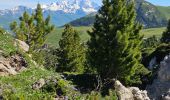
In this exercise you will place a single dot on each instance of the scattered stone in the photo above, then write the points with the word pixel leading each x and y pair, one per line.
pixel 4 71
pixel 22 45
pixel 166 96
pixel 139 94
pixel 12 65
pixel 131 93
pixel 40 83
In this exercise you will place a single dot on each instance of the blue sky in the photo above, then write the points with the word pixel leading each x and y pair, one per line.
pixel 160 2
pixel 6 4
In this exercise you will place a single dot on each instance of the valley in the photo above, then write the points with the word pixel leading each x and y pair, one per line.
pixel 54 37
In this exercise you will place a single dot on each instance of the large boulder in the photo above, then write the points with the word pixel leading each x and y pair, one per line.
pixel 22 45
pixel 131 93
pixel 123 92
pixel 12 65
pixel 159 89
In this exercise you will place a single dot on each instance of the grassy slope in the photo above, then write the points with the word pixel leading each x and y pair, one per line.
pixel 153 31
pixel 21 83
pixel 6 44
pixel 55 36
pixel 165 11
pixel 19 86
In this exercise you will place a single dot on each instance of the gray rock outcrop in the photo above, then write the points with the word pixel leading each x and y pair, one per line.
pixel 12 65
pixel 131 93
pixel 22 45
pixel 160 88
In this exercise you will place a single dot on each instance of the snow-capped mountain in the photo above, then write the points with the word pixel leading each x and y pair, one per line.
pixel 61 11
pixel 72 6
pixel 15 10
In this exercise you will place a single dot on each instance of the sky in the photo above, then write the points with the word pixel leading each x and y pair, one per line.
pixel 7 4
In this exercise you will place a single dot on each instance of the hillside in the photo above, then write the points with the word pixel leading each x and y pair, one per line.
pixel 20 85
pixel 165 11
pixel 55 36
pixel 36 82
pixel 147 14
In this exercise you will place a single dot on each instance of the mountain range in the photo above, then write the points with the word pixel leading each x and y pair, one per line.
pixel 61 11
pixel 82 12
pixel 147 14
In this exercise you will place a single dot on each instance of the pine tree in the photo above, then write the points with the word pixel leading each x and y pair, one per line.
pixel 115 43
pixel 71 52
pixel 166 35
pixel 32 29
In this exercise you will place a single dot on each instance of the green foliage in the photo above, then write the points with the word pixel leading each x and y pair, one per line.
pixel 7 43
pixel 32 29
pixel 51 58
pixel 39 57
pixel 166 35
pixel 97 96
pixel 71 52
pixel 115 43
pixel 151 42
pixel 46 57
pixel 58 86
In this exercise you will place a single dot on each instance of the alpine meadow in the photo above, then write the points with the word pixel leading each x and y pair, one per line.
pixel 85 50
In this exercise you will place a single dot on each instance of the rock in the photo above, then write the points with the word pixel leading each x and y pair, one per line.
pixel 4 71
pixel 40 83
pixel 22 45
pixel 166 96
pixel 164 71
pixel 12 65
pixel 131 93
pixel 123 92
pixel 161 85
pixel 139 94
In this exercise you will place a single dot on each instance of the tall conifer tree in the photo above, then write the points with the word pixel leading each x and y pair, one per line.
pixel 72 53
pixel 115 43
pixel 32 29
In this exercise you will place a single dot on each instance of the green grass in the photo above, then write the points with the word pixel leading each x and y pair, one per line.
pixel 55 36
pixel 21 84
pixel 153 31
pixel 19 87
pixel 7 44
pixel 165 11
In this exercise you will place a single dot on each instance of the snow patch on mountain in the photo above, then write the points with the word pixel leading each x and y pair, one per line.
pixel 72 6
pixel 65 6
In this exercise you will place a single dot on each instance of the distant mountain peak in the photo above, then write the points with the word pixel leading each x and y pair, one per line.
pixel 72 6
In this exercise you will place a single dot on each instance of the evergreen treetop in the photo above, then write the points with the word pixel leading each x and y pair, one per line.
pixel 32 29
pixel 115 43
pixel 72 52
